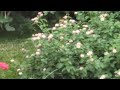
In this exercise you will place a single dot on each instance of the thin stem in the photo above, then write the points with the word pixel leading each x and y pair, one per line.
pixel 50 73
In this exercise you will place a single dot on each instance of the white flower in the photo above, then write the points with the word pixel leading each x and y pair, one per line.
pixel 102 19
pixel 74 32
pixel 23 49
pixel 78 45
pixel 64 26
pixel 117 72
pixel 37 53
pixel 81 68
pixel 35 19
pixel 88 32
pixel 114 50
pixel 103 16
pixel 89 53
pixel 77 31
pixel 20 73
pixel 56 25
pixel 39 13
pixel 39 34
pixel 91 31
pixel 18 70
pixel 54 28
pixel 102 77
pixel 12 60
pixel 65 17
pixel 61 38
pixel 33 38
pixel 75 12
pixel 72 21
pixel 85 26
pixel 37 38
pixel 27 56
pixel 65 22
pixel 43 36
pixel 44 69
pixel 106 53
pixel 82 55
pixel 61 25
pixel 36 34
pixel 50 36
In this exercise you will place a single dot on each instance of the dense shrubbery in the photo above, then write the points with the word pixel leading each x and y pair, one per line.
pixel 80 45
pixel 87 47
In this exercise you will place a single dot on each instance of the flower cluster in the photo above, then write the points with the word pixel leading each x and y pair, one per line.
pixel 76 31
pixel 89 32
pixel 35 19
pixel 38 36
pixel 62 23
pixel 78 45
pixel 103 17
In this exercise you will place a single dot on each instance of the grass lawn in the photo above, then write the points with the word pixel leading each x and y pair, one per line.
pixel 11 48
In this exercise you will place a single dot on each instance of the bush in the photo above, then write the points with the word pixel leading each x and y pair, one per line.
pixel 84 49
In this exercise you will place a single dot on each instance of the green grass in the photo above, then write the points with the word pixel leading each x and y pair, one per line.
pixel 10 48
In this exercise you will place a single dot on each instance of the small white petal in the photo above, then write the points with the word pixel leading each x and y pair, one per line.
pixel 106 53
pixel 81 68
pixel 20 73
pixel 82 55
pixel 18 70
pixel 12 60
pixel 114 51
pixel 102 77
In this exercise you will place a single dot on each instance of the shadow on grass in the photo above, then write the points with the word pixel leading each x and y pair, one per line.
pixel 13 36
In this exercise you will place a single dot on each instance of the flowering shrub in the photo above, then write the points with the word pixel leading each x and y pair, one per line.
pixel 76 49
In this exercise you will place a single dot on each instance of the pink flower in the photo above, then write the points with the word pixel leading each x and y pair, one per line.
pixel 4 66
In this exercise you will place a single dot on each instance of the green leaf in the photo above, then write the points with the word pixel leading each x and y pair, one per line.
pixel 5 20
pixel 9 28
pixel 59 65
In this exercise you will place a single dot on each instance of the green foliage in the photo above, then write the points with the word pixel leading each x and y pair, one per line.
pixel 5 21
pixel 22 25
pixel 86 48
